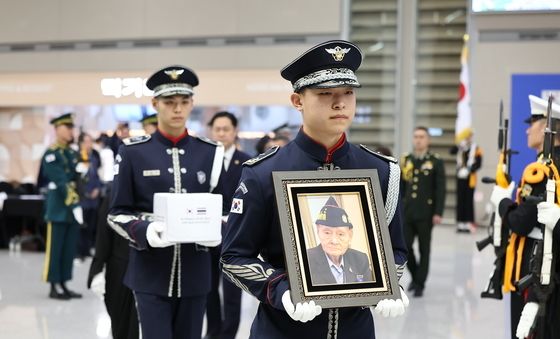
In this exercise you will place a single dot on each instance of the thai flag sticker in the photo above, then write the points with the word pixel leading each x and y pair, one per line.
pixel 237 206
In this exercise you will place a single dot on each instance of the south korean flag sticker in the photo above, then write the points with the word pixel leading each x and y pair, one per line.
pixel 237 206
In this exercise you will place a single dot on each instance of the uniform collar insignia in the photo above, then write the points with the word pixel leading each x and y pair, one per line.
pixel 174 73
pixel 337 53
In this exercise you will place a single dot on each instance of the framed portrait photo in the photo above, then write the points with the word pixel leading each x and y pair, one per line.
pixel 335 236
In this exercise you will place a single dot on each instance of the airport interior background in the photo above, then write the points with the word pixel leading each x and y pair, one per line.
pixel 93 58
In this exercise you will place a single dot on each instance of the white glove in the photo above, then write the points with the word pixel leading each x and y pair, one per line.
pixel 78 214
pixel 527 319
pixel 98 284
pixel 153 235
pixel 463 173
pixel 392 307
pixel 82 168
pixel 301 312
pixel 548 214
pixel 499 193
pixel 209 243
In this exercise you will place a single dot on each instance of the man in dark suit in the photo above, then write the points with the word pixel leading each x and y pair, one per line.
pixel 333 261
pixel 223 128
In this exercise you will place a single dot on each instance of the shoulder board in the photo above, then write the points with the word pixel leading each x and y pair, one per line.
pixel 270 152
pixel 436 155
pixel 136 140
pixel 379 155
pixel 53 147
pixel 206 140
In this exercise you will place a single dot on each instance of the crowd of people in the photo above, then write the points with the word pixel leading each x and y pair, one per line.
pixel 100 203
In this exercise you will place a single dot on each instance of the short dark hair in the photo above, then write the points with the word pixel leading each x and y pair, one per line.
pixel 223 114
pixel 422 128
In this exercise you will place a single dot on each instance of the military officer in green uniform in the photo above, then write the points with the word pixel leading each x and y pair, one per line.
pixel 423 181
pixel 63 213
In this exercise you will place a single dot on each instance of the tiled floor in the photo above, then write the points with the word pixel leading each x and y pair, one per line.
pixel 451 306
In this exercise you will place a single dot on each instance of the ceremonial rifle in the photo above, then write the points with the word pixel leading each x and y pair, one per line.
pixel 498 235
pixel 539 278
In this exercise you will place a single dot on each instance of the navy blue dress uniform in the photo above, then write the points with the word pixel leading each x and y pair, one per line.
pixel 170 284
pixel 59 168
pixel 216 327
pixel 253 228
pixel 424 196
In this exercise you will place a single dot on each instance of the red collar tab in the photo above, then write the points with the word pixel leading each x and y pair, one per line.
pixel 173 139
pixel 336 146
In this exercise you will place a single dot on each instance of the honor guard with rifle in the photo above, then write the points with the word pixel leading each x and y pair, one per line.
pixel 499 235
pixel 324 87
pixel 540 313
pixel 519 218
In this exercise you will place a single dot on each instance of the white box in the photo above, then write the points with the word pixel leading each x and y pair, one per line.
pixel 189 217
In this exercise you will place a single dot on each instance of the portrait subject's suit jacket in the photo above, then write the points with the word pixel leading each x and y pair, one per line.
pixel 356 267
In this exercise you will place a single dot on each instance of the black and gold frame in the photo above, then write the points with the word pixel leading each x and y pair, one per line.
pixel 301 197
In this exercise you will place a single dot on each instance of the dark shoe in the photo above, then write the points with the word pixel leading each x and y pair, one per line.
pixel 211 336
pixel 71 294
pixel 57 295
pixel 412 286
pixel 418 292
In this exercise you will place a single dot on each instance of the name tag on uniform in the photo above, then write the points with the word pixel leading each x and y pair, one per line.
pixel 150 173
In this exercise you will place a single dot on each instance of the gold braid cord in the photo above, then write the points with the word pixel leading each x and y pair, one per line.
pixel 538 172
pixel 72 196
pixel 534 173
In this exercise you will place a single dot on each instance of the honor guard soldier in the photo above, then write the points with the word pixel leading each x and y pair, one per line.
pixel 423 177
pixel 324 82
pixel 63 213
pixel 149 123
pixel 170 281
pixel 523 218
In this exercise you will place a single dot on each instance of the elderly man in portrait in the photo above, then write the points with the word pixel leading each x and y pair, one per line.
pixel 333 261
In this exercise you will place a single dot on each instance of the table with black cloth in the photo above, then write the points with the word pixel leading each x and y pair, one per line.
pixel 21 220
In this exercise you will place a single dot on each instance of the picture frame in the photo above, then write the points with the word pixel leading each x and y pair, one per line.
pixel 334 225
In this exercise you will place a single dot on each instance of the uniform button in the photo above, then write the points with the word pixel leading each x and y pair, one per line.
pixel 414 187
pixel 415 179
pixel 171 190
pixel 426 172
pixel 183 170
pixel 416 171
pixel 168 151
pixel 170 170
pixel 414 195
pixel 181 151
pixel 183 190
pixel 429 201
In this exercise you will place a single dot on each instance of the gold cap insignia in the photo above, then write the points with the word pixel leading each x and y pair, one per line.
pixel 322 214
pixel 174 73
pixel 337 53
